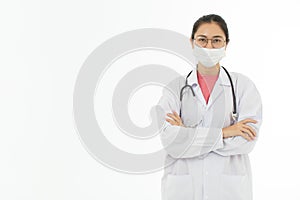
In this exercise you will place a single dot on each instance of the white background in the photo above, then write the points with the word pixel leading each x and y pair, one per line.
pixel 43 45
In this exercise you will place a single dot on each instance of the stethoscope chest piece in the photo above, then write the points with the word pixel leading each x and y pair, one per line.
pixel 234 117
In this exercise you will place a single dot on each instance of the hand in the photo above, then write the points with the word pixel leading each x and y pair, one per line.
pixel 240 129
pixel 175 119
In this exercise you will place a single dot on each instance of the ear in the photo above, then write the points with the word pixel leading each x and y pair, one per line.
pixel 192 43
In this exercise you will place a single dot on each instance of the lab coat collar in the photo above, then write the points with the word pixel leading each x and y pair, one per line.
pixel 218 88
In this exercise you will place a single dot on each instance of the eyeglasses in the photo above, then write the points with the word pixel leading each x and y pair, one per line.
pixel 215 42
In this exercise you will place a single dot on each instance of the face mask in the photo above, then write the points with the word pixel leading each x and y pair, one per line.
pixel 208 57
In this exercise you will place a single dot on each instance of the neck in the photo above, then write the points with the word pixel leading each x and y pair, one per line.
pixel 208 71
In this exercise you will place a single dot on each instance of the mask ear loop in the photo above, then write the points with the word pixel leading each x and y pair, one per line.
pixel 196 44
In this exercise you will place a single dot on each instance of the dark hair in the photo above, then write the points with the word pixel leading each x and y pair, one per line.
pixel 212 18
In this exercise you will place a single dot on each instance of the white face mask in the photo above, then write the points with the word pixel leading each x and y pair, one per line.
pixel 208 57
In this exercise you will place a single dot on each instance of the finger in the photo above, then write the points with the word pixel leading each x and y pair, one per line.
pixel 248 133
pixel 246 136
pixel 176 114
pixel 250 129
pixel 181 124
pixel 248 120
pixel 173 117
pixel 171 121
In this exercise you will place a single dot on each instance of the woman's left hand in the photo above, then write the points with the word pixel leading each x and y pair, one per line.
pixel 175 119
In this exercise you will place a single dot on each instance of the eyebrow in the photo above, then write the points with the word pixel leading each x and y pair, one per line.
pixel 216 36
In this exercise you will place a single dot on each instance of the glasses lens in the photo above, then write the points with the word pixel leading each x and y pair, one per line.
pixel 200 41
pixel 217 42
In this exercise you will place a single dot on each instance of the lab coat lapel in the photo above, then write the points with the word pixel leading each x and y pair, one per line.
pixel 218 88
pixel 193 81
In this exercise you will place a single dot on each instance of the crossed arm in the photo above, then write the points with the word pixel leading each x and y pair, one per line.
pixel 239 129
pixel 239 138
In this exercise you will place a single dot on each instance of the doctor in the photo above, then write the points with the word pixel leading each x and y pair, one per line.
pixel 207 147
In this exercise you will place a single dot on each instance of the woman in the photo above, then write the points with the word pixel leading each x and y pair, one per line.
pixel 206 146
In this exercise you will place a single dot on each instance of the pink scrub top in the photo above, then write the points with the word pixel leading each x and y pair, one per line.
pixel 206 83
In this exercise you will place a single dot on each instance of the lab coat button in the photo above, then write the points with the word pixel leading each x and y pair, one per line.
pixel 206 173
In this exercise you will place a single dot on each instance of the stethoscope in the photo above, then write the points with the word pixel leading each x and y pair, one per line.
pixel 233 114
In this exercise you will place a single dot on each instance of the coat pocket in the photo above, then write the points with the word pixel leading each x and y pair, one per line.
pixel 235 165
pixel 179 187
pixel 235 187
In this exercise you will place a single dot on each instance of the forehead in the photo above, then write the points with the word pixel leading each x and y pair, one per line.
pixel 209 30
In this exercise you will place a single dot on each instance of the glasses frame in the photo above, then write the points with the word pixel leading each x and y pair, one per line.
pixel 210 42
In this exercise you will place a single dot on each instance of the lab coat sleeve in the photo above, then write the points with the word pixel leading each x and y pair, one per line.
pixel 249 106
pixel 184 142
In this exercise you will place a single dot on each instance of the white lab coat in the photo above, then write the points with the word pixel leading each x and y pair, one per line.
pixel 204 165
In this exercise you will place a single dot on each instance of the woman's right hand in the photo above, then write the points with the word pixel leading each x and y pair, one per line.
pixel 241 129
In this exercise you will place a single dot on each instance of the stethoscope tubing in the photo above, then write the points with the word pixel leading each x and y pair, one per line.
pixel 234 112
